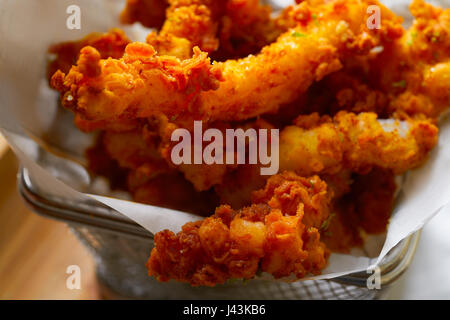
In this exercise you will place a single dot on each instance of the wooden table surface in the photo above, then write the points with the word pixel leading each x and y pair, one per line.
pixel 34 251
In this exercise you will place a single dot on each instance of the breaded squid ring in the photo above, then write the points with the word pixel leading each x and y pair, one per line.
pixel 251 86
pixel 278 234
pixel 348 141
pixel 355 142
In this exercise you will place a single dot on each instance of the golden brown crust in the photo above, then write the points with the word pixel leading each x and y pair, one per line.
pixel 150 13
pixel 267 80
pixel 110 44
pixel 236 244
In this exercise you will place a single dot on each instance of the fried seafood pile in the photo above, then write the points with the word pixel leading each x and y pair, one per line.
pixel 355 107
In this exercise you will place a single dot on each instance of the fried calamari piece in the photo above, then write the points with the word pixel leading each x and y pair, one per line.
pixel 100 163
pixel 189 24
pixel 227 28
pixel 354 142
pixel 138 151
pixel 366 209
pixel 349 91
pixel 237 244
pixel 110 44
pixel 131 161
pixel 169 190
pixel 150 13
pixel 246 28
pixel 132 86
pixel 287 191
pixel 373 197
pixel 429 36
pixel 341 233
pixel 237 186
pixel 327 146
pixel 405 77
pixel 414 69
pixel 207 175
pixel 111 90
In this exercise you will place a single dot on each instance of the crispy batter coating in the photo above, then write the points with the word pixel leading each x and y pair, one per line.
pixel 226 28
pixel 237 186
pixel 205 176
pixel 250 86
pixel 189 24
pixel 414 69
pixel 131 161
pixel 170 190
pixel 372 196
pixel 96 90
pixel 324 145
pixel 355 142
pixel 133 150
pixel 405 77
pixel 111 44
pixel 366 209
pixel 245 28
pixel 236 244
pixel 150 13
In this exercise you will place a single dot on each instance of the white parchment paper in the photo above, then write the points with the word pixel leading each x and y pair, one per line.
pixel 29 111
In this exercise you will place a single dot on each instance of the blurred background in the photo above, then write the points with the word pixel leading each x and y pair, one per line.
pixel 35 252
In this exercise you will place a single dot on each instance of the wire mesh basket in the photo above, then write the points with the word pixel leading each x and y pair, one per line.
pixel 121 249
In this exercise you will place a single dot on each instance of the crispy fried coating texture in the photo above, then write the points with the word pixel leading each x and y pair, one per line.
pixel 150 13
pixel 97 90
pixel 354 142
pixel 405 77
pixel 110 44
pixel 133 150
pixel 226 28
pixel 366 209
pixel 205 176
pixel 236 244
pixel 372 196
pixel 328 146
pixel 413 70
pixel 170 190
pixel 251 86
pixel 100 163
pixel 189 24
pixel 131 161
pixel 245 28
pixel 237 186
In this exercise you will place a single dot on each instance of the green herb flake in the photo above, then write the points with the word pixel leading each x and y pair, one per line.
pixel 435 55
pixel 326 223
pixel 412 38
pixel 399 84
pixel 298 35
pixel 435 37
pixel 314 16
